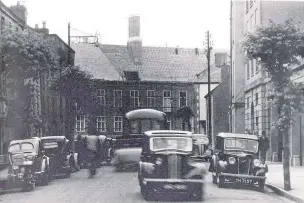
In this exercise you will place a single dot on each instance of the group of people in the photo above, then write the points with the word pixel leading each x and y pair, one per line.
pixel 92 151
pixel 263 144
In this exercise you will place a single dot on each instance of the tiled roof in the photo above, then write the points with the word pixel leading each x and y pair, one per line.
pixel 162 64
pixel 90 58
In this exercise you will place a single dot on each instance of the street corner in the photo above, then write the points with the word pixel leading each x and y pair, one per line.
pixel 271 188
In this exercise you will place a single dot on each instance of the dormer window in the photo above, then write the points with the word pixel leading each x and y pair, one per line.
pixel 131 75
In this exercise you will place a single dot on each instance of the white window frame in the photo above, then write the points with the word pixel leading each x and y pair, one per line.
pixel 150 98
pixel 101 124
pixel 167 101
pixel 118 120
pixel 134 98
pixel 120 102
pixel 81 122
pixel 179 99
pixel 101 94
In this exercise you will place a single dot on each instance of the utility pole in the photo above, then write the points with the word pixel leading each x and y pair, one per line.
pixel 208 50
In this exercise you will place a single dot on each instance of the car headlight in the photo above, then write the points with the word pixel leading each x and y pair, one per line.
pixel 159 161
pixel 30 158
pixel 256 162
pixel 231 160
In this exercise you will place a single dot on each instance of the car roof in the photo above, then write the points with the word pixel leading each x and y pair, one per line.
pixel 31 140
pixel 56 138
pixel 168 133
pixel 238 135
pixel 145 113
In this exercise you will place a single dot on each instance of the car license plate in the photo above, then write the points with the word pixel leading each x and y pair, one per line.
pixel 244 180
pixel 175 187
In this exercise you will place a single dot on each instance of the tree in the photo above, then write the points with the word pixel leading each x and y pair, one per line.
pixel 278 47
pixel 25 56
pixel 77 87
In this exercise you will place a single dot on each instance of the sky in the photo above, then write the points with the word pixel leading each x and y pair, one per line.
pixel 170 23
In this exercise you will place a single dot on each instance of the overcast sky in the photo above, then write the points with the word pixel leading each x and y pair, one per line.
pixel 173 22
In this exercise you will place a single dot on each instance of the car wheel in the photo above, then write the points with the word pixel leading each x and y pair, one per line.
pixel 197 195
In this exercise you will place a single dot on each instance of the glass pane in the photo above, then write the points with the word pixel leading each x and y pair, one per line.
pixel 25 146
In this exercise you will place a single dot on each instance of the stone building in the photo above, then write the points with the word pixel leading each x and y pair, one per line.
pixel 258 113
pixel 133 76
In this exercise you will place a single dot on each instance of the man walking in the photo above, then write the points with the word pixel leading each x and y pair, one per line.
pixel 263 146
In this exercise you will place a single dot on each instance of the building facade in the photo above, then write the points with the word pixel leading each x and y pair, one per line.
pixel 259 114
pixel 133 76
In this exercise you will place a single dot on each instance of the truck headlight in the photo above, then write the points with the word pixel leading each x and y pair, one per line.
pixel 256 162
pixel 231 160
pixel 159 161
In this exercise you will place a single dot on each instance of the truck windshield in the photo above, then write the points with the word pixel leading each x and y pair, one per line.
pixel 241 144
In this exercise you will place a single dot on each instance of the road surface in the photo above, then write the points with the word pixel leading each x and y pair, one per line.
pixel 121 187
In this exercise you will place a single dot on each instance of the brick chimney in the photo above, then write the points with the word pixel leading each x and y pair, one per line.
pixel 134 44
pixel 20 11
pixel 43 29
pixel 221 59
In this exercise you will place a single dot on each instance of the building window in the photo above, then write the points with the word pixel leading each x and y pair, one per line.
pixel 252 67
pixel 101 124
pixel 117 98
pixel 134 97
pixel 251 3
pixel 251 21
pixel 248 102
pixel 117 123
pixel 101 94
pixel 182 98
pixel 17 29
pixel 80 123
pixel 247 6
pixel 256 99
pixel 150 98
pixel 248 69
pixel 257 120
pixel 167 101
pixel 2 24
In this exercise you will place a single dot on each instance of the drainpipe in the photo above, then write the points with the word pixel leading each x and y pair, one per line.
pixel 231 69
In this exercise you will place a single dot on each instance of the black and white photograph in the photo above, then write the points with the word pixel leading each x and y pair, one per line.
pixel 134 101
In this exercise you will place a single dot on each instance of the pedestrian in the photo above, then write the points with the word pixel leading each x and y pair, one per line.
pixel 93 146
pixel 263 146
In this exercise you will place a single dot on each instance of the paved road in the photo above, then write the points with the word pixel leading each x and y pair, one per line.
pixel 114 187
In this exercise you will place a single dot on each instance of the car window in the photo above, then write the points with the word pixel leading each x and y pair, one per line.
pixel 27 146
pixel 177 143
pixel 14 147
pixel 241 144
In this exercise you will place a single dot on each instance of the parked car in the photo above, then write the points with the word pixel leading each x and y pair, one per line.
pixel 166 166
pixel 235 161
pixel 61 158
pixel 28 164
pixel 200 145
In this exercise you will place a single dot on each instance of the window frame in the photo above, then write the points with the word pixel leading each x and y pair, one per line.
pixel 80 122
pixel 165 98
pixel 101 96
pixel 103 124
pixel 150 99
pixel 119 102
pixel 120 122
pixel 180 98
pixel 134 100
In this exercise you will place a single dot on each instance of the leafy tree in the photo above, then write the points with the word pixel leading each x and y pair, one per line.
pixel 25 56
pixel 77 87
pixel 279 47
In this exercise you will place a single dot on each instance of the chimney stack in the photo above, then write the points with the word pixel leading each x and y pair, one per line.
pixel 36 26
pixel 44 24
pixel 221 59
pixel 135 43
pixel 20 11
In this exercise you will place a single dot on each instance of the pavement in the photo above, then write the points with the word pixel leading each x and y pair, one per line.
pixel 110 186
pixel 275 181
